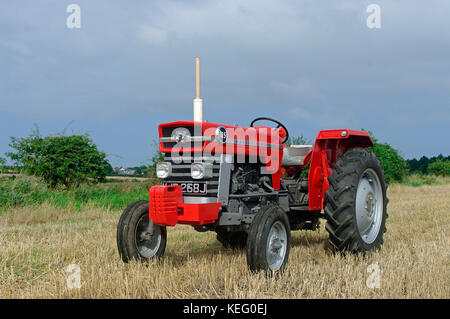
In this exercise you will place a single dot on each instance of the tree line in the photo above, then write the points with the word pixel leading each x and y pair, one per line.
pixel 436 165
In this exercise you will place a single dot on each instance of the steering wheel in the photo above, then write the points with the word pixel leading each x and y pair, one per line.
pixel 275 121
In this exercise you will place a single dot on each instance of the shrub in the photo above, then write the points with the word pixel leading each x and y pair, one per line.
pixel 393 164
pixel 21 190
pixel 439 167
pixel 421 165
pixel 59 160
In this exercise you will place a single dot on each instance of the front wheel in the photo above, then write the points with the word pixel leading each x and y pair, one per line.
pixel 268 242
pixel 355 202
pixel 137 236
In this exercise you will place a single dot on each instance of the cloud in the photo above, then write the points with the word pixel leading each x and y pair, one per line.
pixel 299 88
pixel 152 35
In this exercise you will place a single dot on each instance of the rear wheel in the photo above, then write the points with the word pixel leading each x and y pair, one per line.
pixel 268 242
pixel 355 202
pixel 137 236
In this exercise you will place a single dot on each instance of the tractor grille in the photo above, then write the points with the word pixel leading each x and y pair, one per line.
pixel 181 172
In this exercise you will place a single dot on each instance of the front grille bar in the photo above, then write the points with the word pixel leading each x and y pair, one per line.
pixel 191 159
pixel 188 139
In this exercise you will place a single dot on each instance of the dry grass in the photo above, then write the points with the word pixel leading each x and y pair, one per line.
pixel 38 244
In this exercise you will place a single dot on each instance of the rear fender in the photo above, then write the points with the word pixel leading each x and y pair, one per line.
pixel 328 146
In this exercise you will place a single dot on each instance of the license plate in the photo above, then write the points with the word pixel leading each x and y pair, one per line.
pixel 190 188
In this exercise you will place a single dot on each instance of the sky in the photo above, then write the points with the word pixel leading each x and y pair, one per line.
pixel 311 65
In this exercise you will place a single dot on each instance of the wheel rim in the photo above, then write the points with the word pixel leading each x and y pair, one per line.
pixel 148 237
pixel 276 246
pixel 369 206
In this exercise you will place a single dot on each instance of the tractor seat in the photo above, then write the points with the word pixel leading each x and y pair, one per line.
pixel 294 155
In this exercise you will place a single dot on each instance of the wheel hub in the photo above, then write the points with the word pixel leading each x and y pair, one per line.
pixel 369 210
pixel 370 204
pixel 276 246
pixel 148 237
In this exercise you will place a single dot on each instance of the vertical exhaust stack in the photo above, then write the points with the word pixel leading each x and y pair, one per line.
pixel 198 102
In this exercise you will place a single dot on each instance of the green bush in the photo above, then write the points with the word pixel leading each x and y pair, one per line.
pixel 59 160
pixel 17 191
pixel 421 165
pixel 394 166
pixel 439 167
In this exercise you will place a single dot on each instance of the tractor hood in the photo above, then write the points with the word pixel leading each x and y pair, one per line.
pixel 215 138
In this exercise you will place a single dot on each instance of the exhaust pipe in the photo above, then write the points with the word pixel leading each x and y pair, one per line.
pixel 198 102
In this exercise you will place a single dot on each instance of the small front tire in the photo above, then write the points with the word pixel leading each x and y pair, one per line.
pixel 138 237
pixel 269 239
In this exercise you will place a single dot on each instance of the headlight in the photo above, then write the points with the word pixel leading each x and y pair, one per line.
pixel 163 170
pixel 201 170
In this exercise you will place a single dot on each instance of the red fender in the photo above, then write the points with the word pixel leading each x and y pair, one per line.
pixel 328 146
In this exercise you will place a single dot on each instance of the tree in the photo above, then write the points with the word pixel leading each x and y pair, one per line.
pixel 393 164
pixel 421 165
pixel 2 164
pixel 439 167
pixel 66 160
pixel 156 158
pixel 110 170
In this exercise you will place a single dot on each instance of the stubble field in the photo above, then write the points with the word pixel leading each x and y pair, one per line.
pixel 39 243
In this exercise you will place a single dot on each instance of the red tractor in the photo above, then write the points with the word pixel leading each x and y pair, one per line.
pixel 247 185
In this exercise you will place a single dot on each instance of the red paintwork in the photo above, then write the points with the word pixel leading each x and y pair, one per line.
pixel 198 214
pixel 167 208
pixel 270 155
pixel 163 208
pixel 250 134
pixel 328 146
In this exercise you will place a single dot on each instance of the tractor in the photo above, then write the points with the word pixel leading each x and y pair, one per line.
pixel 252 189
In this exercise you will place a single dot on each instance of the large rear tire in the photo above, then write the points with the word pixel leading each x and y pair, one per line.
pixel 355 202
pixel 269 240
pixel 137 237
